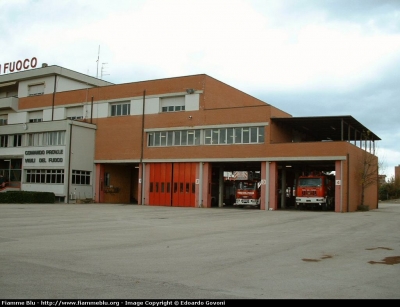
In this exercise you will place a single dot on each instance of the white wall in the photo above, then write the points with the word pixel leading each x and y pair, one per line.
pixel 17 118
pixel 63 84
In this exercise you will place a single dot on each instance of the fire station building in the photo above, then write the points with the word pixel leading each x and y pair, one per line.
pixel 168 142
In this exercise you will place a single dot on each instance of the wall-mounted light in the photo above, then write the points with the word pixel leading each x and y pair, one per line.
pixel 190 117
pixel 190 90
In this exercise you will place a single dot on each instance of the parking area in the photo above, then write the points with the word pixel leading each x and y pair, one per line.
pixel 108 251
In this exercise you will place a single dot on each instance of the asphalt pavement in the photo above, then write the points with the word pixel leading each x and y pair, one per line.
pixel 111 251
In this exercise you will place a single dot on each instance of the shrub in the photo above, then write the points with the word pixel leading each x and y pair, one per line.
pixel 20 197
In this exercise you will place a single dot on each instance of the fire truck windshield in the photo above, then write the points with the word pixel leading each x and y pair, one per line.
pixel 247 185
pixel 310 182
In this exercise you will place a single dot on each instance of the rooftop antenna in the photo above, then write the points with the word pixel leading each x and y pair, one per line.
pixel 98 57
pixel 102 70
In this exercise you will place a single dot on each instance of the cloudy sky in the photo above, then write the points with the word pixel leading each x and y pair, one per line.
pixel 305 57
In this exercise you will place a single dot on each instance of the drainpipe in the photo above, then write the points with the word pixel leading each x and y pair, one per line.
pixel 54 97
pixel 348 183
pixel 91 112
pixel 69 161
pixel 141 149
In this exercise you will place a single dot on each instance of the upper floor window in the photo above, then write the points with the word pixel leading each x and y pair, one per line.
pixel 36 116
pixel 35 120
pixel 3 140
pixel 36 89
pixel 174 138
pixel 173 104
pixel 46 138
pixel 75 113
pixel 16 140
pixel 3 121
pixel 121 109
pixel 238 135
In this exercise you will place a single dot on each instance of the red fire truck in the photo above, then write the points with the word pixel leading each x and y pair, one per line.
pixel 315 191
pixel 248 189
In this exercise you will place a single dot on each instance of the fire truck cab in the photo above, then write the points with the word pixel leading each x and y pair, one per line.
pixel 315 191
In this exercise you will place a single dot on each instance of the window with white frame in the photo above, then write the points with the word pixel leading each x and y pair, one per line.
pixel 75 113
pixel 46 138
pixel 172 104
pixel 174 138
pixel 121 108
pixel 212 136
pixel 237 135
pixel 36 89
pixel 35 117
pixel 44 176
pixel 3 120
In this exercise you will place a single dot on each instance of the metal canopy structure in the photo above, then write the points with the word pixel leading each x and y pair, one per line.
pixel 332 128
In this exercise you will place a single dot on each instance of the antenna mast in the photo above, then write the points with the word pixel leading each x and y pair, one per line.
pixel 102 71
pixel 98 57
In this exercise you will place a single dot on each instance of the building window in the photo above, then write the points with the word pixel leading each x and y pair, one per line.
pixel 45 176
pixel 35 117
pixel 121 109
pixel 46 138
pixel 173 104
pixel 239 135
pixel 81 177
pixel 36 89
pixel 212 136
pixel 16 140
pixel 75 117
pixel 3 121
pixel 174 138
pixel 75 113
pixel 3 140
pixel 35 120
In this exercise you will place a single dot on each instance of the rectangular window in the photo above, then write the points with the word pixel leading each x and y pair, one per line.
pixel 44 176
pixel 172 104
pixel 3 140
pixel 163 140
pixel 17 140
pixel 222 136
pixel 215 136
pixel 184 137
pixel 81 177
pixel 246 135
pixel 46 138
pixel 207 136
pixel 253 134
pixel 177 138
pixel 75 117
pixel 121 109
pixel 107 179
pixel 35 120
pixel 238 135
pixel 36 89
pixel 3 121
pixel 229 136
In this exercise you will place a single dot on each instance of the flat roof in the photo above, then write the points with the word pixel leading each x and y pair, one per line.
pixel 51 71
pixel 335 128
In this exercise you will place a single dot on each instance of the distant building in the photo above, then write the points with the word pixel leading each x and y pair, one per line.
pixel 397 172
pixel 382 179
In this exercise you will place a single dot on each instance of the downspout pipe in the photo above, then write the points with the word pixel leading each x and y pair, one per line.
pixel 54 97
pixel 141 148
pixel 69 161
